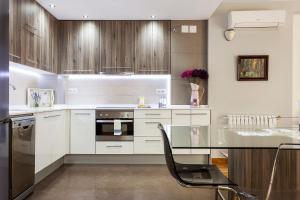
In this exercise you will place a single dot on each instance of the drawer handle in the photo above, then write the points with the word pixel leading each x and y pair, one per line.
pixel 202 114
pixel 152 122
pixel 152 114
pixel 152 140
pixel 114 146
pixel 51 116
pixel 82 113
pixel 182 114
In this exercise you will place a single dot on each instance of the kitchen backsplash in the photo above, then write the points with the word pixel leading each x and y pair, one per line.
pixel 22 78
pixel 112 90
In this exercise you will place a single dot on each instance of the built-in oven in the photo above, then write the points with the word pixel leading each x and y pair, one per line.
pixel 114 125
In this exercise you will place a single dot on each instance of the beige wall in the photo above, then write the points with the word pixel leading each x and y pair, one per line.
pixel 296 65
pixel 187 51
pixel 226 95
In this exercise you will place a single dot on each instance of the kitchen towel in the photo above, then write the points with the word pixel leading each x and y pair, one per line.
pixel 117 127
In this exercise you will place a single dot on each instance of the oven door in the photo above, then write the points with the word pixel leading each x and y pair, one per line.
pixel 105 130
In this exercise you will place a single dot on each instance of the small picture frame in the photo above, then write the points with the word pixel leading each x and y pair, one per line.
pixel 252 68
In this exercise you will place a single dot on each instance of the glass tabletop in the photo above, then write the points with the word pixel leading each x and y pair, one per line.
pixel 208 137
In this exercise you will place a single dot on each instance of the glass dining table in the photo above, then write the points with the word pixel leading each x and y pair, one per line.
pixel 251 152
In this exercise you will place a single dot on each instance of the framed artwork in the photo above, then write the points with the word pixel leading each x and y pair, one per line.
pixel 253 68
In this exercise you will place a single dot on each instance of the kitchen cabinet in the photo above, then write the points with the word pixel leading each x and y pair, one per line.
pixel 30 43
pixel 148 145
pixel 123 147
pixel 152 51
pixel 117 46
pixel 50 139
pixel 147 136
pixel 54 44
pixel 200 117
pixel 15 28
pixel 33 35
pixel 80 47
pixel 45 57
pixel 181 117
pixel 82 133
pixel 49 43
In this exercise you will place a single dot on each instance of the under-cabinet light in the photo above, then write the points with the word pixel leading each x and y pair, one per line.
pixel 77 76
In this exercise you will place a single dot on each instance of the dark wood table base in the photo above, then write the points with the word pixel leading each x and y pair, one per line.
pixel 251 170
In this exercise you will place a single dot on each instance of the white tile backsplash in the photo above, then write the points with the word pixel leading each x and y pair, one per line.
pixel 22 79
pixel 112 91
pixel 86 89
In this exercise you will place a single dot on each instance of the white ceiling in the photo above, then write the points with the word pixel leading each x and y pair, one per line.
pixel 131 9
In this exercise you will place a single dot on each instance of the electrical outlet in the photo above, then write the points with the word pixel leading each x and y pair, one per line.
pixel 72 90
pixel 184 29
pixel 161 91
pixel 193 29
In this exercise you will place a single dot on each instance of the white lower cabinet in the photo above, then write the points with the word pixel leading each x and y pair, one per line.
pixel 122 147
pixel 50 138
pixel 148 145
pixel 148 127
pixel 82 132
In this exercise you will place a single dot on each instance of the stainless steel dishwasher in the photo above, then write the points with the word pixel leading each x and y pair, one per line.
pixel 22 130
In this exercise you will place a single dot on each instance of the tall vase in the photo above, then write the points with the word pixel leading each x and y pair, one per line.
pixel 197 94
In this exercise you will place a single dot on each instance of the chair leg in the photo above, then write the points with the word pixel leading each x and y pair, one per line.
pixel 216 194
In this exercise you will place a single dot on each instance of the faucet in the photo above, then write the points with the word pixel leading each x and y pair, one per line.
pixel 13 86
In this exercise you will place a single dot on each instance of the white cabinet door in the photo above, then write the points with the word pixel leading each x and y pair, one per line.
pixel 148 145
pixel 83 133
pixel 123 147
pixel 181 117
pixel 57 124
pixel 50 140
pixel 43 144
pixel 200 117
pixel 152 114
pixel 148 127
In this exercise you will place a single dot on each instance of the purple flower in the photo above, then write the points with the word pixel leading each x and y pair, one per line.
pixel 195 73
pixel 187 74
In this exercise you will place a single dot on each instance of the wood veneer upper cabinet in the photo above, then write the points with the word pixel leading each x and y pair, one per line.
pixel 152 52
pixel 54 44
pixel 49 48
pixel 30 45
pixel 117 46
pixel 45 57
pixel 80 47
pixel 15 28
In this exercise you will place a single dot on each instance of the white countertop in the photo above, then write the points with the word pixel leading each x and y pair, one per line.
pixel 23 110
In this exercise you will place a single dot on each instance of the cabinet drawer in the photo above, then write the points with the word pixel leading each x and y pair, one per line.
pixel 181 117
pixel 200 117
pixel 148 145
pixel 152 114
pixel 148 127
pixel 114 147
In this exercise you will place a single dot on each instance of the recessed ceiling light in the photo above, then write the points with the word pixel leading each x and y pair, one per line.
pixel 153 16
pixel 85 16
pixel 51 5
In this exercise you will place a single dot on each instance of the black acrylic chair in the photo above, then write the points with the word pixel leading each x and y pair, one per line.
pixel 202 175
pixel 190 174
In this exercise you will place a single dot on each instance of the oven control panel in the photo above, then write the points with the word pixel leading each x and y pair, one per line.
pixel 114 114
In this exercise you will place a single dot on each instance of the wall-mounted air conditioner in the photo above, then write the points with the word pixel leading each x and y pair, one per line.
pixel 256 19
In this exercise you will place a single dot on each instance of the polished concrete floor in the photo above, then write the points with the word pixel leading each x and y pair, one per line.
pixel 115 182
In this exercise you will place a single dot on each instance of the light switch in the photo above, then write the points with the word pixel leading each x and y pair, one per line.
pixel 193 29
pixel 184 29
